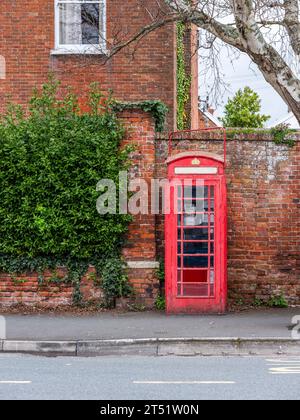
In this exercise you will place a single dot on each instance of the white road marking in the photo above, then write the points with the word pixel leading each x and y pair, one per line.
pixel 16 382
pixel 184 382
pixel 284 366
pixel 279 361
pixel 285 370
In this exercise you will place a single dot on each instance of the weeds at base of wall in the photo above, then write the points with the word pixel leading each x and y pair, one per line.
pixel 160 303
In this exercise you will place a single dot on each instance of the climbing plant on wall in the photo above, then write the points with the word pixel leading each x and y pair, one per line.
pixel 183 80
pixel 50 163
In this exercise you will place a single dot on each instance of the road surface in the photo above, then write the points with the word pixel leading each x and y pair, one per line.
pixel 149 378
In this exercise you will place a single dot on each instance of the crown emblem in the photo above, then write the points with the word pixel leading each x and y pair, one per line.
pixel 196 162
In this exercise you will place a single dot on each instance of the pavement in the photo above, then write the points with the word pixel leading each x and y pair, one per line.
pixel 267 331
pixel 24 377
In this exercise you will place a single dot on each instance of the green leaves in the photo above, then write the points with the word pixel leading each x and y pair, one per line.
pixel 158 110
pixel 50 164
pixel 243 110
pixel 183 79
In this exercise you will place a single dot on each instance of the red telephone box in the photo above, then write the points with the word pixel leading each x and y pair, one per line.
pixel 195 234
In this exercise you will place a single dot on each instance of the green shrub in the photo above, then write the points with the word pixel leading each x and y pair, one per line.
pixel 50 163
pixel 160 303
pixel 278 302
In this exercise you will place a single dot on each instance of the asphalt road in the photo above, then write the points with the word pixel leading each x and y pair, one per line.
pixel 136 378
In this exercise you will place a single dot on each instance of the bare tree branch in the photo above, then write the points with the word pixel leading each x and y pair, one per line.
pixel 268 31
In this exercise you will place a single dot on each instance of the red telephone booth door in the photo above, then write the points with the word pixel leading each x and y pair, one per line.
pixel 195 235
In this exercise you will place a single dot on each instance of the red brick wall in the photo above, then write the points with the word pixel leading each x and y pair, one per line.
pixel 263 182
pixel 144 71
pixel 140 245
pixel 263 213
pixel 25 289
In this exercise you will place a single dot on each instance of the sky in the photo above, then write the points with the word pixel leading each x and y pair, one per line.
pixel 245 73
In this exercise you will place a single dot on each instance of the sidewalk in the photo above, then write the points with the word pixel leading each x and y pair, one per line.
pixel 146 329
pixel 106 326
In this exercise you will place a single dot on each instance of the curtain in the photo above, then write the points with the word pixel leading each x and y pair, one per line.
pixel 70 24
pixel 2 67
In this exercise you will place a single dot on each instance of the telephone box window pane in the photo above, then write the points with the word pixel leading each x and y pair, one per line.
pixel 212 261
pixel 196 234
pixel 178 262
pixel 179 248
pixel 212 283
pixel 195 220
pixel 195 248
pixel 195 276
pixel 196 191
pixel 195 262
pixel 206 206
pixel 197 289
pixel 194 206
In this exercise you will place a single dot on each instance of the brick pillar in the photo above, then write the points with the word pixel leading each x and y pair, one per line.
pixel 140 247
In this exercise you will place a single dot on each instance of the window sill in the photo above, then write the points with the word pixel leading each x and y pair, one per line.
pixel 87 51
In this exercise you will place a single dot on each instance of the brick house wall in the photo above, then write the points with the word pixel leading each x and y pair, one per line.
pixel 145 71
pixel 205 122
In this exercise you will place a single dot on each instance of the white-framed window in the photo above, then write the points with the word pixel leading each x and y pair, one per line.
pixel 80 26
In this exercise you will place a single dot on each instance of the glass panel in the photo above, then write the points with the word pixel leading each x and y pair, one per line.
pixel 90 23
pixel 195 276
pixel 179 206
pixel 195 220
pixel 212 205
pixel 179 262
pixel 196 234
pixel 195 248
pixel 79 23
pixel 195 262
pixel 193 206
pixel 199 191
pixel 179 276
pixel 197 289
pixel 179 247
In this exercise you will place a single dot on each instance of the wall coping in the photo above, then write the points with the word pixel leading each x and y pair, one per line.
pixel 232 135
